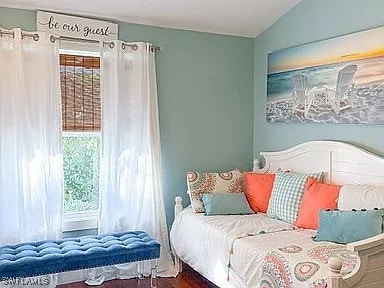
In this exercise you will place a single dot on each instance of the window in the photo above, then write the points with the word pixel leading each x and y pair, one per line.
pixel 81 117
pixel 81 155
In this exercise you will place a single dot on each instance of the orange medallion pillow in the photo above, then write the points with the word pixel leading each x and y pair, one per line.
pixel 317 196
pixel 257 189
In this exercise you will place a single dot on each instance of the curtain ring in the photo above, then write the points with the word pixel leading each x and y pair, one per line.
pixel 123 46
pixel 134 47
pixel 52 39
pixel 111 45
pixel 36 37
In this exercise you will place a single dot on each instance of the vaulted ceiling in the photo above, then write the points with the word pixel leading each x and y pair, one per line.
pixel 233 17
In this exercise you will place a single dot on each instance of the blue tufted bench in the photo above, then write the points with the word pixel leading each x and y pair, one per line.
pixel 49 257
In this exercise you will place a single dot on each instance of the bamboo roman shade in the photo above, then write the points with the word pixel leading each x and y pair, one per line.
pixel 80 93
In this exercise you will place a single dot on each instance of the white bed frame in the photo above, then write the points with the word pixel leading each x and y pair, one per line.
pixel 343 164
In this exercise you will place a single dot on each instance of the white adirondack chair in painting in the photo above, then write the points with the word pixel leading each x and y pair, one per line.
pixel 302 96
pixel 343 96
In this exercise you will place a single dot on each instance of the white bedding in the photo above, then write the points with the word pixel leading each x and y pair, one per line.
pixel 281 257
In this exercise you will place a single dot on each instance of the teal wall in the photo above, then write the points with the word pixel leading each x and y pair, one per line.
pixel 310 21
pixel 205 84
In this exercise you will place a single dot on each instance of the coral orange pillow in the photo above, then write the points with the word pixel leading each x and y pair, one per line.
pixel 257 189
pixel 317 196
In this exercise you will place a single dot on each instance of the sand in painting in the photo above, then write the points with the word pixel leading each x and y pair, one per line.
pixel 368 108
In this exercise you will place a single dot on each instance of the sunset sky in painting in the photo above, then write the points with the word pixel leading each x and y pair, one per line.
pixel 350 47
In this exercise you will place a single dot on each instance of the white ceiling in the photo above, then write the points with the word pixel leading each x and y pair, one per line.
pixel 233 17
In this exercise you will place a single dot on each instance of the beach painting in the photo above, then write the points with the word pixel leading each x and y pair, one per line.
pixel 339 80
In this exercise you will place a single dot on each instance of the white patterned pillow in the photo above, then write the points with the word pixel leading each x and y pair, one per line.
pixel 209 182
pixel 287 193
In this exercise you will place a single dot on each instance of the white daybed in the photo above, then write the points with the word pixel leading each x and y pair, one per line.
pixel 257 242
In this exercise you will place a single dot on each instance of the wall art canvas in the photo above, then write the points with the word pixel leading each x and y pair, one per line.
pixel 338 80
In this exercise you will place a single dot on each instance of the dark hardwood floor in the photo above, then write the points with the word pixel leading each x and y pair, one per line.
pixel 186 279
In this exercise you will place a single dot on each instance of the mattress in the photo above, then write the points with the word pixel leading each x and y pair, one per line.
pixel 254 251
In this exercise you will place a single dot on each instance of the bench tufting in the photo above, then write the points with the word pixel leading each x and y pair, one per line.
pixel 48 257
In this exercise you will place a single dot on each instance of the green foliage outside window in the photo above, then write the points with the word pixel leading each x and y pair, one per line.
pixel 81 155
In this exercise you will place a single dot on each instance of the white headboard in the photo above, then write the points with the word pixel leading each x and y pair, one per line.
pixel 342 162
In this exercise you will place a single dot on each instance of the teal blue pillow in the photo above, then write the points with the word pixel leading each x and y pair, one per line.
pixel 349 226
pixel 225 204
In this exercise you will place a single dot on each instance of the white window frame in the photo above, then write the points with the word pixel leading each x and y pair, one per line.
pixel 77 221
pixel 80 221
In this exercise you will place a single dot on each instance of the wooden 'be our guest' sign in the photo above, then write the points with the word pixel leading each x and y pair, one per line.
pixel 76 27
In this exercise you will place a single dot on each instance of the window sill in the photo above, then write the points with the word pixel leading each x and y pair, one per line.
pixel 80 221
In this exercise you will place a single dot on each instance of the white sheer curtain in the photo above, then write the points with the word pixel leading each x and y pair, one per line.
pixel 131 192
pixel 30 136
